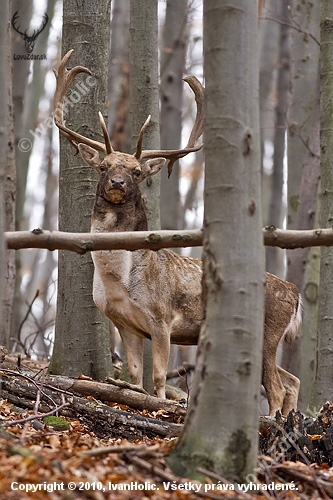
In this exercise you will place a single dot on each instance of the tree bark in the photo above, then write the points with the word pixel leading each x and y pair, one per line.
pixel 118 91
pixel 9 197
pixel 221 426
pixel 323 389
pixel 4 81
pixel 82 341
pixel 144 93
pixel 173 54
pixel 144 101
pixel 276 212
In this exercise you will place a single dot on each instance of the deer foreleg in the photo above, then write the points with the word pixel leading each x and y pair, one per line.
pixel 161 351
pixel 134 353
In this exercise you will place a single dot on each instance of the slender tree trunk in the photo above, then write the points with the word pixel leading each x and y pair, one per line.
pixel 276 215
pixel 82 341
pixel 4 81
pixel 118 85
pixel 144 98
pixel 144 93
pixel 220 431
pixel 304 14
pixel 9 197
pixel 26 118
pixel 173 54
pixel 323 389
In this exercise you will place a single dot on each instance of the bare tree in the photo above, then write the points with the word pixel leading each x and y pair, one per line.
pixel 323 389
pixel 173 54
pixel 221 422
pixel 4 82
pixel 82 342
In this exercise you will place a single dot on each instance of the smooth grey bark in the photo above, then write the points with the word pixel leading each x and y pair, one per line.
pixel 144 101
pixel 144 93
pixel 220 431
pixel 26 105
pixel 3 126
pixel 323 388
pixel 173 55
pixel 304 15
pixel 275 214
pixel 118 78
pixel 9 196
pixel 82 341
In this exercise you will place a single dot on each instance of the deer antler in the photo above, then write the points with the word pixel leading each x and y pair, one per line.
pixel 64 79
pixel 174 155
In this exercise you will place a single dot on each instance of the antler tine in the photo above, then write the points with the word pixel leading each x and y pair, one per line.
pixel 140 138
pixel 174 155
pixel 198 126
pixel 64 79
pixel 108 145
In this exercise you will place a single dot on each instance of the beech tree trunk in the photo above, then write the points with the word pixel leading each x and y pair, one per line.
pixel 221 428
pixel 144 93
pixel 304 15
pixel 144 101
pixel 173 53
pixel 9 196
pixel 3 136
pixel 323 389
pixel 274 263
pixel 82 341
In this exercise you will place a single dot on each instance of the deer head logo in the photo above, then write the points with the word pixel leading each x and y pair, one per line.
pixel 29 40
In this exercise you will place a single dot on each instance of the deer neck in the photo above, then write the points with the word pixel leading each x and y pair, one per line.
pixel 128 216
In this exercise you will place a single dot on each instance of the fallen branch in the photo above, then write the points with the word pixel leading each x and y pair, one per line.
pixel 88 242
pixel 100 418
pixel 100 390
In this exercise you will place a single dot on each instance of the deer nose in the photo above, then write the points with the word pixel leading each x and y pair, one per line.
pixel 117 183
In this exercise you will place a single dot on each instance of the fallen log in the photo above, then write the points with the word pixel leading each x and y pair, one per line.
pixel 103 420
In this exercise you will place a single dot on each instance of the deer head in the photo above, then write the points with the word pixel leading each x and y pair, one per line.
pixel 111 163
pixel 29 40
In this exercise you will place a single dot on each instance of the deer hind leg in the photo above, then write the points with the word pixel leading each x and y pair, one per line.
pixel 275 390
pixel 134 353
pixel 291 385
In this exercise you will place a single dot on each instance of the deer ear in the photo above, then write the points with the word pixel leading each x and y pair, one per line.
pixel 152 167
pixel 89 155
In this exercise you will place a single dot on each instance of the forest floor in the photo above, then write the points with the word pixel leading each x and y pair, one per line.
pixel 69 458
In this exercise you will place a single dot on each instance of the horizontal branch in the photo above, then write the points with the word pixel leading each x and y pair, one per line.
pixel 88 242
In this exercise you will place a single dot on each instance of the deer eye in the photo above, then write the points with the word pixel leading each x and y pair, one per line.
pixel 137 173
pixel 102 168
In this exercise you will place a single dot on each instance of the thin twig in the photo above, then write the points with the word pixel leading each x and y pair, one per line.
pixel 35 417
pixel 293 26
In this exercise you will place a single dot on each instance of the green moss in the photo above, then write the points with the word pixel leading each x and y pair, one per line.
pixel 58 424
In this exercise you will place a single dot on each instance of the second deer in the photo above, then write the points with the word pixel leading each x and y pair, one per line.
pixel 157 294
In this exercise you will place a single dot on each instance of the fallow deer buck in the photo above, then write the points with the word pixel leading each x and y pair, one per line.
pixel 157 294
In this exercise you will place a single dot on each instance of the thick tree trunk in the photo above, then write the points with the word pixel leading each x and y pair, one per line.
pixel 221 427
pixel 82 341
